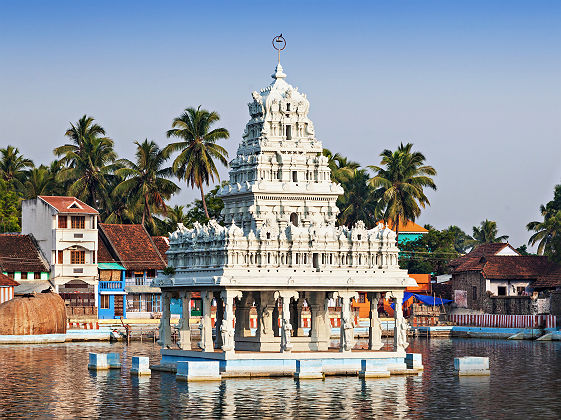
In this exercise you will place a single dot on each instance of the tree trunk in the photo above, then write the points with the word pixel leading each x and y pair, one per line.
pixel 203 200
pixel 144 211
pixel 397 231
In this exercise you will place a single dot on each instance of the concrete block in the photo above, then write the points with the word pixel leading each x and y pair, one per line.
pixel 414 361
pixel 98 361
pixel 198 371
pixel 309 369
pixel 140 366
pixel 472 365
pixel 114 360
pixel 373 368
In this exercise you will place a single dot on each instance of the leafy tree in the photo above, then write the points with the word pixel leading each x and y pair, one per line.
pixel 548 232
pixel 175 215
pixel 9 208
pixel 13 167
pixel 462 241
pixel 145 181
pixel 430 253
pixel 89 162
pixel 401 180
pixel 197 148
pixel 359 201
pixel 523 250
pixel 214 206
pixel 341 168
pixel 39 181
pixel 487 232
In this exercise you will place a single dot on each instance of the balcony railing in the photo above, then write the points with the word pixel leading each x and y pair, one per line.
pixel 138 281
pixel 111 285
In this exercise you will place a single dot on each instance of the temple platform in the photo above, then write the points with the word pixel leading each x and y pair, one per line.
pixel 269 364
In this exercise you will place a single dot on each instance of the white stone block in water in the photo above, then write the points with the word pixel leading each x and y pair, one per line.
pixel 140 366
pixel 472 365
pixel 114 360
pixel 98 361
pixel 414 360
pixel 198 371
pixel 374 368
pixel 309 369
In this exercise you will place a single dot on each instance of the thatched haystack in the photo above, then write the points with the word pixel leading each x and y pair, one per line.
pixel 41 313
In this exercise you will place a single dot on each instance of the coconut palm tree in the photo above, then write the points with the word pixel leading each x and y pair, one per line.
pixel 175 215
pixel 547 235
pixel 487 233
pixel 359 202
pixel 39 181
pixel 145 181
pixel 197 148
pixel 341 168
pixel 13 166
pixel 400 181
pixel 89 162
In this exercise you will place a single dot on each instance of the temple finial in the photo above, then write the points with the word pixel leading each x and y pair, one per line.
pixel 279 44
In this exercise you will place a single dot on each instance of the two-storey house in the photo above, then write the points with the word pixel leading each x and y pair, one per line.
pixel 66 230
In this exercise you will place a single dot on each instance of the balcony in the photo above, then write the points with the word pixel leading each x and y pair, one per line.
pixel 111 286
pixel 138 281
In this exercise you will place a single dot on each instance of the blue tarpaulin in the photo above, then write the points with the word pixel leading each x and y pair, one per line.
pixel 427 300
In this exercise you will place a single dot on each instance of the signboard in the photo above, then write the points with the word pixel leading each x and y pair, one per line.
pixel 460 298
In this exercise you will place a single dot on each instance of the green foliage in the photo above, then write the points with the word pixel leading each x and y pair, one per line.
pixel 9 208
pixel 486 233
pixel 400 181
pixel 462 241
pixel 523 250
pixel 431 253
pixel 359 201
pixel 547 233
pixel 13 167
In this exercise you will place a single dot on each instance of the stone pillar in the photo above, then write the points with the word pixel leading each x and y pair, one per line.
pixel 347 341
pixel 206 343
pixel 375 328
pixel 298 330
pixel 265 319
pixel 400 329
pixel 165 326
pixel 286 330
pixel 319 322
pixel 227 331
pixel 184 328
pixel 243 309
pixel 275 320
pixel 219 318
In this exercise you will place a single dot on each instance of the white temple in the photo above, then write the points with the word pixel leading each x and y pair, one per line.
pixel 280 246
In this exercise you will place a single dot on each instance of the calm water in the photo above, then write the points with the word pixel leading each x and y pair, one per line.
pixel 53 381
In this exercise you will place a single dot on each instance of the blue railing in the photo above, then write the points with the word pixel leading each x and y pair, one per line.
pixel 111 285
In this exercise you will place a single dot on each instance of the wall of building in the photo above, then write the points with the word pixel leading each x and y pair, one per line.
pixel 555 303
pixel 509 305
pixel 511 286
pixel 466 281
pixel 38 219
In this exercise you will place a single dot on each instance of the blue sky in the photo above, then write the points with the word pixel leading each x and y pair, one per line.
pixel 476 86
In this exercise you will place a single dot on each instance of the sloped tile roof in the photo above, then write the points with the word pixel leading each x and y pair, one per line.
pixel 103 254
pixel 133 247
pixel 408 227
pixel 551 279
pixel 470 261
pixel 7 281
pixel 162 243
pixel 525 267
pixel 20 253
pixel 65 204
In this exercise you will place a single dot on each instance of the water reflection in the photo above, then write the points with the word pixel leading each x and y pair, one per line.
pixel 53 381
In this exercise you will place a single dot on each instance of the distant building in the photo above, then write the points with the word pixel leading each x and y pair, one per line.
pixel 66 230
pixel 112 296
pixel 22 260
pixel 7 285
pixel 408 232
pixel 132 247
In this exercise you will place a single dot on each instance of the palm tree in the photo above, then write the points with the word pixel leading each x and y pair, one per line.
pixel 175 215
pixel 547 233
pixel 341 168
pixel 146 180
pixel 487 233
pixel 401 182
pixel 359 202
pixel 89 161
pixel 39 181
pixel 197 148
pixel 13 166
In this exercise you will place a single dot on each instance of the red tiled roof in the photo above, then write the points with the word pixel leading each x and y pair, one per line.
pixel 103 254
pixel 65 204
pixel 470 261
pixel 20 253
pixel 525 267
pixel 408 227
pixel 162 243
pixel 7 281
pixel 552 279
pixel 133 246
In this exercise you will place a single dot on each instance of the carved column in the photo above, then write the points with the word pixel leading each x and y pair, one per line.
pixel 227 328
pixel 276 331
pixel 206 343
pixel 265 319
pixel 286 330
pixel 319 323
pixel 243 309
pixel 184 328
pixel 347 341
pixel 400 329
pixel 219 319
pixel 165 326
pixel 375 329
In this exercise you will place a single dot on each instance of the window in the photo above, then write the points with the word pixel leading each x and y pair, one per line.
pixel 520 290
pixel 288 107
pixel 60 257
pixel 474 292
pixel 294 176
pixel 151 273
pixel 11 274
pixel 289 132
pixel 315 260
pixel 37 275
pixel 62 222
pixel 294 219
pixel 93 257
pixel 104 301
pixel 501 291
pixel 77 257
pixel 78 222
pixel 24 275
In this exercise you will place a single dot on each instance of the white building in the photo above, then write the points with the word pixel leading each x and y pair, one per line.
pixel 66 230
pixel 280 244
